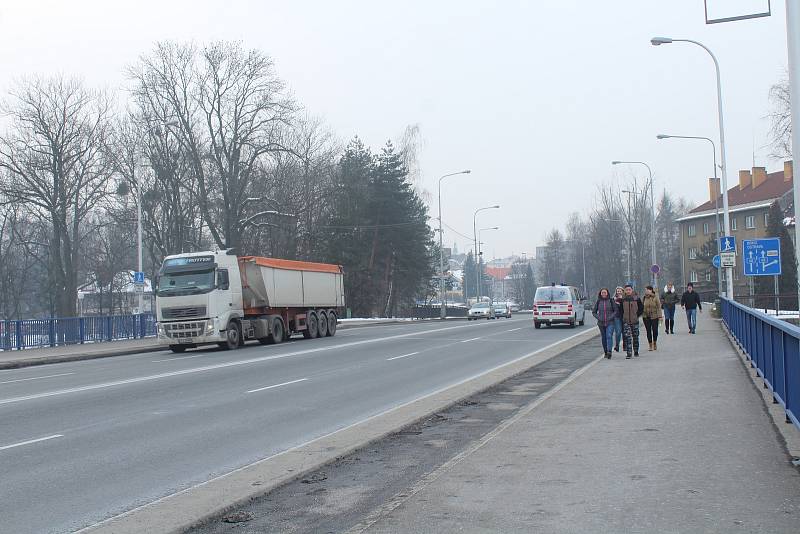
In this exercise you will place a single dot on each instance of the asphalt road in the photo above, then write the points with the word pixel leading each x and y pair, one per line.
pixel 83 441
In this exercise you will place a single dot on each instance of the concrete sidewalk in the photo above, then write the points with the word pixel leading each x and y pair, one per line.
pixel 676 440
pixel 14 359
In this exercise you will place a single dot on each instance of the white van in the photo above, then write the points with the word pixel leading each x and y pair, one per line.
pixel 558 305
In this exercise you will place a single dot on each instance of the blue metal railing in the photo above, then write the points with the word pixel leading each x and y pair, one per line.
pixel 36 333
pixel 773 348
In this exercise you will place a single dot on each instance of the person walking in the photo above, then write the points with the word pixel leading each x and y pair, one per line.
pixel 605 311
pixel 669 299
pixel 632 308
pixel 651 316
pixel 690 301
pixel 619 294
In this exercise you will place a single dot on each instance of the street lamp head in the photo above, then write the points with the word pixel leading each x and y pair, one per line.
pixel 495 207
pixel 616 162
pixel 466 171
pixel 656 41
pixel 663 136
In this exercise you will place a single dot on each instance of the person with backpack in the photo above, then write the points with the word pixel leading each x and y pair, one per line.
pixel 669 299
pixel 605 311
pixel 690 301
pixel 631 308
pixel 651 316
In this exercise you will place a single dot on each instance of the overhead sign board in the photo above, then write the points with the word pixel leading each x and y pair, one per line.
pixel 762 257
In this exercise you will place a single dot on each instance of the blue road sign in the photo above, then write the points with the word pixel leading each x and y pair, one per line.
pixel 715 261
pixel 727 243
pixel 138 277
pixel 762 257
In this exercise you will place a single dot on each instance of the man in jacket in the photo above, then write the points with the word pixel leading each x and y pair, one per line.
pixel 669 299
pixel 631 309
pixel 690 301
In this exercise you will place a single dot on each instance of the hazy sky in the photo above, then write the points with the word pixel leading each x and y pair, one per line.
pixel 536 98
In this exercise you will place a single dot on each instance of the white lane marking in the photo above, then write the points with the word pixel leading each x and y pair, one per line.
pixel 329 434
pixel 213 367
pixel 514 329
pixel 37 440
pixel 35 378
pixel 403 356
pixel 180 358
pixel 468 340
pixel 400 498
pixel 278 385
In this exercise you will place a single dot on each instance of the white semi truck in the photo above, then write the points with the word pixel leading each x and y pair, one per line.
pixel 214 297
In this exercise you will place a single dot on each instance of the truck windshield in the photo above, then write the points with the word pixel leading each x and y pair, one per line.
pixel 185 283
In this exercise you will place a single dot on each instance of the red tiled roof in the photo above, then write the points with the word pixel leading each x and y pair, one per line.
pixel 498 273
pixel 774 187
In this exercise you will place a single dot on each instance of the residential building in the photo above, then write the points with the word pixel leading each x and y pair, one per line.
pixel 749 204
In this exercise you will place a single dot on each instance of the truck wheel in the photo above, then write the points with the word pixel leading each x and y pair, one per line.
pixel 322 323
pixel 311 330
pixel 177 348
pixel 278 332
pixel 232 337
pixel 331 324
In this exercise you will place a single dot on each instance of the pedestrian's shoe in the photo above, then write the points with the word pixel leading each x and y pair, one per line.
pixel 655 345
pixel 616 348
pixel 608 355
pixel 628 357
pixel 636 353
pixel 650 348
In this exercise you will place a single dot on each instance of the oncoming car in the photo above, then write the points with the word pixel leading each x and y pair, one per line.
pixel 481 310
pixel 558 305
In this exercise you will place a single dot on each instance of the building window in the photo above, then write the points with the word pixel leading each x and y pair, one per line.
pixel 750 221
pixel 722 275
pixel 692 230
pixel 719 226
pixel 733 223
pixel 766 219
pixel 708 276
pixel 692 253
pixel 705 228
pixel 693 276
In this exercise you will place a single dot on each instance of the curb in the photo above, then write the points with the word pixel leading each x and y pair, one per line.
pixel 146 348
pixel 204 502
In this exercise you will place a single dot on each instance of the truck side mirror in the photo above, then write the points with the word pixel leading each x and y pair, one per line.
pixel 222 279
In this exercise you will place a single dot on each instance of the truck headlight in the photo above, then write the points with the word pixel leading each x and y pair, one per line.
pixel 210 327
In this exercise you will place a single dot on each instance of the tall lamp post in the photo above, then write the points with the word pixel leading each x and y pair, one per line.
pixel 443 309
pixel 793 44
pixel 477 254
pixel 482 243
pixel 657 41
pixel 716 197
pixel 652 212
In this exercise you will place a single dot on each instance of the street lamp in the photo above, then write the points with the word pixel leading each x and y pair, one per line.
pixel 657 41
pixel 716 197
pixel 652 215
pixel 443 309
pixel 483 243
pixel 477 254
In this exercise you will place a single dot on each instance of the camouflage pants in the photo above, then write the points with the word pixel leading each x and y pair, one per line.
pixel 630 335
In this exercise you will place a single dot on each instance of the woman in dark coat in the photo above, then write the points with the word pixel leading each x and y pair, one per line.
pixel 605 311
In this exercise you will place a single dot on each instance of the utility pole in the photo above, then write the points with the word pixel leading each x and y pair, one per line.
pixel 793 43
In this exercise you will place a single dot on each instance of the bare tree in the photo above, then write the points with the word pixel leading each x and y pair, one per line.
pixel 781 118
pixel 52 158
pixel 227 108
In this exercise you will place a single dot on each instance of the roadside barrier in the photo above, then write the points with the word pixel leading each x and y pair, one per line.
pixel 53 332
pixel 773 348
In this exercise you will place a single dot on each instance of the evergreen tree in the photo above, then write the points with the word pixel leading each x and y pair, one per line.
pixel 470 273
pixel 787 281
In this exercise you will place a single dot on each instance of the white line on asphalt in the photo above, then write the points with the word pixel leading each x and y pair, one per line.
pixel 403 356
pixel 352 425
pixel 514 329
pixel 213 367
pixel 35 378
pixel 37 440
pixel 468 340
pixel 278 385
pixel 181 358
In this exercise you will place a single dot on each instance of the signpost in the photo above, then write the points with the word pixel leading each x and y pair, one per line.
pixel 727 243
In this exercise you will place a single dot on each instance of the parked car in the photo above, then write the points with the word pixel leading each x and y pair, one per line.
pixel 481 310
pixel 557 304
pixel 502 309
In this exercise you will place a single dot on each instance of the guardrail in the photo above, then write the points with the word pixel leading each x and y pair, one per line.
pixel 773 348
pixel 37 333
